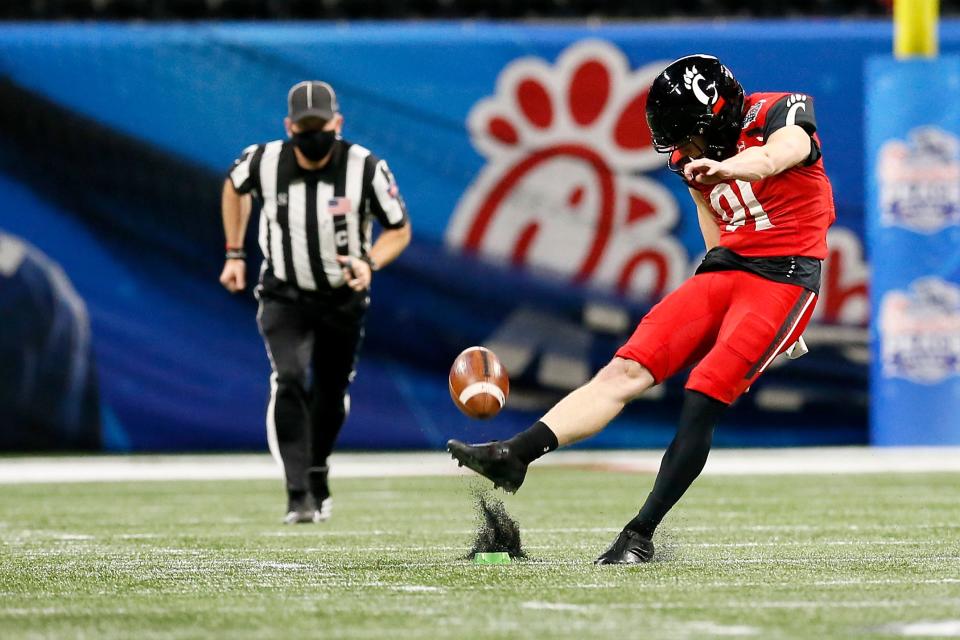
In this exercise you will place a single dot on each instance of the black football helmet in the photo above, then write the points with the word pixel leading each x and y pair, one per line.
pixel 695 96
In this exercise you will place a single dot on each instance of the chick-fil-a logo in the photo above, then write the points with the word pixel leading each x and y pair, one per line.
pixel 566 146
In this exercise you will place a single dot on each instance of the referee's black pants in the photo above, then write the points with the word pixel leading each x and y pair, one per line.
pixel 312 340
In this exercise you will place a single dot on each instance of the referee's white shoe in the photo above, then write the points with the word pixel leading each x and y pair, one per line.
pixel 305 511
pixel 301 509
pixel 325 511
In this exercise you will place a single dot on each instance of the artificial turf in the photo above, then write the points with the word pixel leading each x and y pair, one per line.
pixel 839 556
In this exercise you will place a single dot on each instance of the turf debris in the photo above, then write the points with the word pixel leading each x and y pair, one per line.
pixel 496 530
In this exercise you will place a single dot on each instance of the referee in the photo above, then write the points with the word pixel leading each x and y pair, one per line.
pixel 318 196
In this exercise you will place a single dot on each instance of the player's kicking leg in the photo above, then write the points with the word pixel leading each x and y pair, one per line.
pixel 581 414
pixel 661 345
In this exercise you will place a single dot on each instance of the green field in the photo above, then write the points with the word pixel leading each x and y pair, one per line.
pixel 824 557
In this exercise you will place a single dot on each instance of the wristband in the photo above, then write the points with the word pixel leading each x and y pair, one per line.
pixel 370 261
pixel 236 253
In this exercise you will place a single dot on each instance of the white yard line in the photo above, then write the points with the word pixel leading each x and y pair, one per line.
pixel 139 468
pixel 938 629
pixel 740 604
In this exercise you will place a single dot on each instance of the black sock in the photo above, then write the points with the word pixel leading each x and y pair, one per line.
pixel 534 442
pixel 295 496
pixel 682 462
pixel 317 478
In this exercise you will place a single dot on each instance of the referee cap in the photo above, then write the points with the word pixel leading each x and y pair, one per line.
pixel 311 98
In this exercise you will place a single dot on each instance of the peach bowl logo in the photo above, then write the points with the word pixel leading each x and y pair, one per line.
pixel 920 331
pixel 920 181
pixel 563 190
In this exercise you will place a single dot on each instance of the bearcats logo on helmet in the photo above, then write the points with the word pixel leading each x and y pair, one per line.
pixel 693 79
pixel 563 188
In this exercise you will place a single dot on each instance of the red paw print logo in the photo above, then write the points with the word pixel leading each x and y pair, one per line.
pixel 562 188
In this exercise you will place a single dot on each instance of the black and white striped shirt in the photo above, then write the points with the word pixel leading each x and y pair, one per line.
pixel 308 218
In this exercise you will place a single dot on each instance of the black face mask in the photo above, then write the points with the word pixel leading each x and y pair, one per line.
pixel 314 145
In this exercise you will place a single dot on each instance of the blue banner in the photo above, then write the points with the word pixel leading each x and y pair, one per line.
pixel 544 223
pixel 913 177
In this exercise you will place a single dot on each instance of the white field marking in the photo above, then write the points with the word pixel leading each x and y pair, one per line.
pixel 713 629
pixel 23 535
pixel 587 562
pixel 806 527
pixel 417 588
pixel 794 583
pixel 740 604
pixel 820 560
pixel 785 528
pixel 37 611
pixel 314 533
pixel 693 529
pixel 281 565
pixel 557 606
pixel 940 629
pixel 831 583
pixel 862 604
pixel 682 545
pixel 744 584
pixel 836 460
pixel 806 543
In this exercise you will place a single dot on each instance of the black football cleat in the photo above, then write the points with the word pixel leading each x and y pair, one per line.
pixel 630 547
pixel 493 460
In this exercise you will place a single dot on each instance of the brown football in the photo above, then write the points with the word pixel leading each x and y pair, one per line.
pixel 479 384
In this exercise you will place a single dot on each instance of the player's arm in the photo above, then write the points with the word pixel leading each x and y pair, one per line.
pixel 708 223
pixel 390 244
pixel 383 199
pixel 785 148
pixel 235 206
pixel 235 210
pixel 788 132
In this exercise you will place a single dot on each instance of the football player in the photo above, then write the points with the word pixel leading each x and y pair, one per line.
pixel 754 169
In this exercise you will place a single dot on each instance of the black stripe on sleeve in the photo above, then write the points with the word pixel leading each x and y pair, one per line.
pixel 371 167
pixel 255 172
pixel 249 182
pixel 340 180
pixel 286 165
pixel 366 190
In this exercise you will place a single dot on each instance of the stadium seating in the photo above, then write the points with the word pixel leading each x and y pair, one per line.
pixel 362 9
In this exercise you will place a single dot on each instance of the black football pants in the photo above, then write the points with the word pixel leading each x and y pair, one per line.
pixel 312 341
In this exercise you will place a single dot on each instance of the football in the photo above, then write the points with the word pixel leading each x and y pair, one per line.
pixel 478 383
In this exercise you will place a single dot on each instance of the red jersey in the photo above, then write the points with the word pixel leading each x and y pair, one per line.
pixel 784 215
